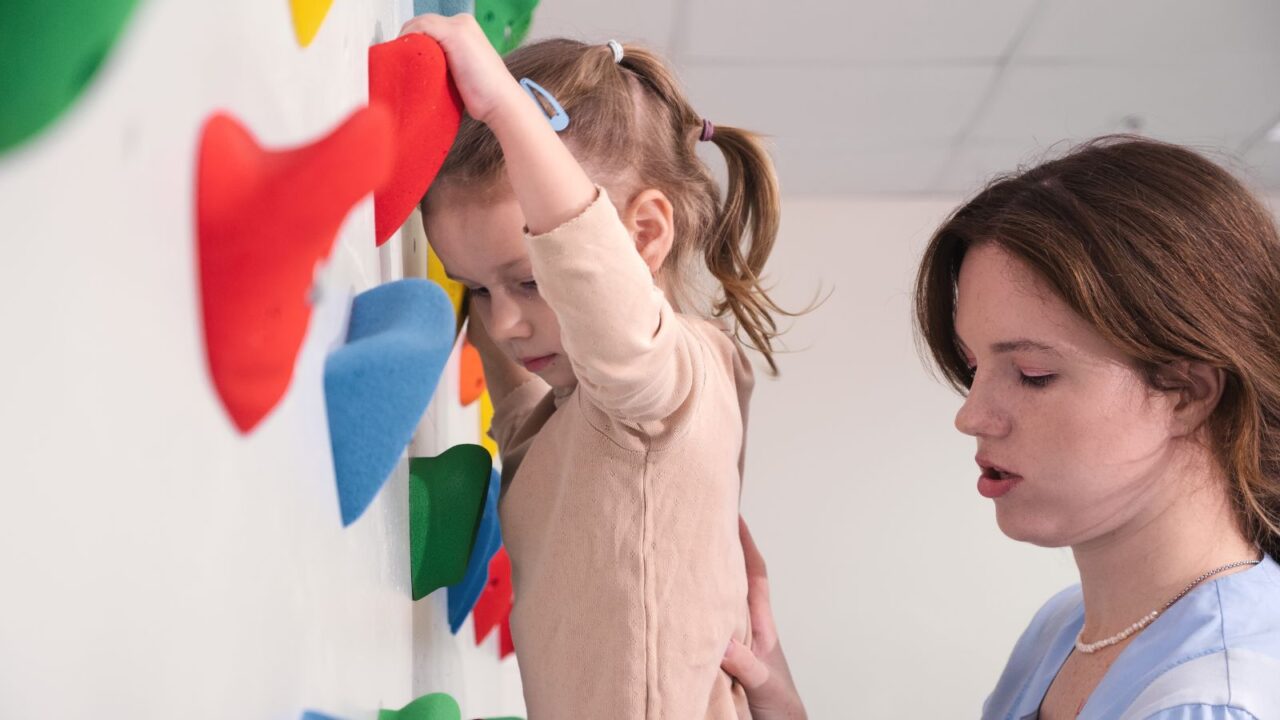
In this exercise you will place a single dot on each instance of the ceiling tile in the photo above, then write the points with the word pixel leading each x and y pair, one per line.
pixel 977 163
pixel 1205 104
pixel 1153 31
pixel 871 97
pixel 814 170
pixel 1261 167
pixel 756 31
pixel 648 23
pixel 831 107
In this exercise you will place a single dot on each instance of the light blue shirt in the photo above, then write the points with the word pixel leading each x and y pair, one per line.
pixel 1214 655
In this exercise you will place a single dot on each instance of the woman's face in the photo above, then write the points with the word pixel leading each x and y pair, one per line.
pixel 1073 445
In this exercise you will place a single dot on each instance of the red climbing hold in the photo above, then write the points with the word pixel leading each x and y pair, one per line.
pixel 493 609
pixel 264 220
pixel 408 77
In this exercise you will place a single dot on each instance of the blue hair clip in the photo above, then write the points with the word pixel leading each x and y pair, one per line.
pixel 560 120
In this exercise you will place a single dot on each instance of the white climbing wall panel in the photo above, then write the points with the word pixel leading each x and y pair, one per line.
pixel 154 562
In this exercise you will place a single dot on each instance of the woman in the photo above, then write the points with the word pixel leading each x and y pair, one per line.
pixel 1113 319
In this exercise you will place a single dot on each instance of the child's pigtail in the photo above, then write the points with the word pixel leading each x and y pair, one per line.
pixel 743 235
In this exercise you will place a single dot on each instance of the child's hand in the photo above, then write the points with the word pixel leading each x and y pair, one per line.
pixel 549 184
pixel 486 87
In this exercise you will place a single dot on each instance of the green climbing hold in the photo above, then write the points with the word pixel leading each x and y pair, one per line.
pixel 436 706
pixel 49 53
pixel 446 502
pixel 505 22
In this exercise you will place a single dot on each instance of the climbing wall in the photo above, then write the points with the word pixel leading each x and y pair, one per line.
pixel 218 344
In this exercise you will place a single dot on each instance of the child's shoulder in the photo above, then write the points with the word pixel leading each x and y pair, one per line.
pixel 724 350
pixel 713 333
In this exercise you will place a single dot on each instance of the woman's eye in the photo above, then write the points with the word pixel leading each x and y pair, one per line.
pixel 480 292
pixel 529 285
pixel 1037 381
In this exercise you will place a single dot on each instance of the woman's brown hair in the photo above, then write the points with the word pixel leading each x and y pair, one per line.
pixel 631 122
pixel 1167 256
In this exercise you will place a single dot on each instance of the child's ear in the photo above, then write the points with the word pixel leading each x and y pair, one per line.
pixel 1198 389
pixel 649 218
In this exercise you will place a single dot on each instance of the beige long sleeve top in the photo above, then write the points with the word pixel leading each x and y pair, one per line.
pixel 620 498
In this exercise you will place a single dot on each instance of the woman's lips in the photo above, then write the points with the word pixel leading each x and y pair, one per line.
pixel 536 364
pixel 995 481
pixel 995 487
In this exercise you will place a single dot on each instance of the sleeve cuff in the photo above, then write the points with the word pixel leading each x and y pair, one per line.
pixel 587 216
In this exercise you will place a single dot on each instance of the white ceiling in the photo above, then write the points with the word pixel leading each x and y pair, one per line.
pixel 935 96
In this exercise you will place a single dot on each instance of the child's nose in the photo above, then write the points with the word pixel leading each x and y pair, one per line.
pixel 506 319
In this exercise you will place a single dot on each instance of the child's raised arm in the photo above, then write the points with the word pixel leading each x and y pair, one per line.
pixel 616 327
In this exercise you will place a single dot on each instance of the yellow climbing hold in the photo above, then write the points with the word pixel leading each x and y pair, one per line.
pixel 452 288
pixel 307 16
pixel 486 420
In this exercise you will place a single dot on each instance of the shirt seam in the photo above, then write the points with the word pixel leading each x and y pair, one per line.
pixel 1154 677
pixel 1222 629
pixel 1227 705
pixel 652 703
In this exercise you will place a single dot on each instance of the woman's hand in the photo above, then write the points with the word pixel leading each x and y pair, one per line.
pixel 487 89
pixel 762 669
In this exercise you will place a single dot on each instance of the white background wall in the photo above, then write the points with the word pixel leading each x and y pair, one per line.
pixel 895 593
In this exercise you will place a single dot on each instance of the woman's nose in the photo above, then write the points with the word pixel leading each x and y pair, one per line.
pixel 980 416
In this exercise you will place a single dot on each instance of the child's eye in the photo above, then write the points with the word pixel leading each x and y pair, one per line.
pixel 1036 381
pixel 529 285
pixel 480 292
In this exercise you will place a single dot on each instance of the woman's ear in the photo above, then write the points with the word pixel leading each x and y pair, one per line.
pixel 649 217
pixel 1198 388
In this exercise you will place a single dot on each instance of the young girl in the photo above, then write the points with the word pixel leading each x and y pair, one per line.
pixel 621 421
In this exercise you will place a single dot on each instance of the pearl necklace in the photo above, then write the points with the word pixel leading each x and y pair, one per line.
pixel 1147 619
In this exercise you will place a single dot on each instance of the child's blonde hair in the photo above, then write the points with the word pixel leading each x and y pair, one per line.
pixel 631 121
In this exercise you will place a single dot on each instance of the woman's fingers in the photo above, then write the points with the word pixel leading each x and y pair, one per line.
pixel 762 668
pixel 764 634
pixel 755 561
pixel 743 665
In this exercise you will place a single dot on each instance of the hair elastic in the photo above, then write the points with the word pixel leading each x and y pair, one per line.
pixel 708 130
pixel 560 119
pixel 616 47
